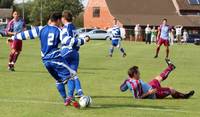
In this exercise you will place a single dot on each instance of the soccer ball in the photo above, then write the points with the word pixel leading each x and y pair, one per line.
pixel 85 101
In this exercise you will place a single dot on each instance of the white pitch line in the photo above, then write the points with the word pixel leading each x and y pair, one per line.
pixel 97 106
pixel 154 109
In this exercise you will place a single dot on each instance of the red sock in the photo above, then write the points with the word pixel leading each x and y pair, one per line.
pixel 157 51
pixel 178 95
pixel 167 53
pixel 15 56
pixel 11 57
pixel 166 72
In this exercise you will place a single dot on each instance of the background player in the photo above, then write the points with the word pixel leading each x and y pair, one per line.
pixel 163 37
pixel 15 26
pixel 116 38
pixel 50 38
pixel 152 90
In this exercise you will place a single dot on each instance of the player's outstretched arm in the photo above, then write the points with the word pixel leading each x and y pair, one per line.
pixel 79 41
pixel 28 34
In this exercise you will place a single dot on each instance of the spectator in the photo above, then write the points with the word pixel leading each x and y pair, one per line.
pixel 153 34
pixel 178 33
pixel 185 36
pixel 137 32
pixel 148 34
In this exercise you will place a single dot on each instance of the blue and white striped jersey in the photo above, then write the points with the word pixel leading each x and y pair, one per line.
pixel 69 30
pixel 69 39
pixel 116 33
pixel 49 39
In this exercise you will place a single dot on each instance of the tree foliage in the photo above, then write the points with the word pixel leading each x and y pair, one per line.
pixel 49 6
pixel 6 3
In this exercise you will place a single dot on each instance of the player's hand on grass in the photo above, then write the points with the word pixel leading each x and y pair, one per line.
pixel 152 91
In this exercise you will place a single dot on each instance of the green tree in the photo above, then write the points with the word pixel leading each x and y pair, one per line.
pixel 6 3
pixel 27 10
pixel 49 6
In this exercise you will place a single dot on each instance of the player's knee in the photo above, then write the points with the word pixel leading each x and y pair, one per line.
pixel 159 78
pixel 13 50
pixel 59 81
pixel 17 52
pixel 172 90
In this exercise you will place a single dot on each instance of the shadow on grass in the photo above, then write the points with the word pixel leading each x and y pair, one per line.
pixel 143 107
pixel 112 97
pixel 130 97
pixel 28 71
pixel 84 72
pixel 96 69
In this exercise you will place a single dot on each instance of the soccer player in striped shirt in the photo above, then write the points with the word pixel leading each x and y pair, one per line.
pixel 116 40
pixel 153 89
pixel 68 52
pixel 163 38
pixel 53 61
pixel 16 25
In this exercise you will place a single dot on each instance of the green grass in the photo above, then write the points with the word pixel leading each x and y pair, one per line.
pixel 31 92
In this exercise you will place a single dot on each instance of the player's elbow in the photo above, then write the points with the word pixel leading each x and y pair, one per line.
pixel 123 88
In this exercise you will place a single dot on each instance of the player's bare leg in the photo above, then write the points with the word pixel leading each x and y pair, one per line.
pixel 111 51
pixel 157 51
pixel 11 63
pixel 122 51
pixel 167 52
pixel 175 94
pixel 178 95
pixel 164 75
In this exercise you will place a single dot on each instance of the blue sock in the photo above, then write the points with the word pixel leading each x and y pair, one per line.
pixel 111 50
pixel 122 50
pixel 78 86
pixel 61 90
pixel 71 87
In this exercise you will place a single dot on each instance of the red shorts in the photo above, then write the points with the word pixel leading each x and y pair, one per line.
pixel 16 44
pixel 162 92
pixel 163 41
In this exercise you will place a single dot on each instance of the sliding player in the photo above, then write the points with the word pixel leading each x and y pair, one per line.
pixel 152 90
pixel 50 38
pixel 116 40
pixel 163 37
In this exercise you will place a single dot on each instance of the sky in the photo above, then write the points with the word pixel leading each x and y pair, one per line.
pixel 20 1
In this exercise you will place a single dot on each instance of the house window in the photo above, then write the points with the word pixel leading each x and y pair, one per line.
pixel 194 2
pixel 96 11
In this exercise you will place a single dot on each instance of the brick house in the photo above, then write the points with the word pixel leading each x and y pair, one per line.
pixel 5 15
pixel 100 13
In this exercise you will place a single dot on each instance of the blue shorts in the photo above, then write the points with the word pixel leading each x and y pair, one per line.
pixel 57 69
pixel 72 58
pixel 115 42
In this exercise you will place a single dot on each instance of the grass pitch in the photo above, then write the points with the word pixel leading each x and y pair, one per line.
pixel 31 92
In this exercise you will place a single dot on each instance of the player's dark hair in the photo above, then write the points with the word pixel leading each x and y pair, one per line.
pixel 55 16
pixel 18 12
pixel 133 70
pixel 165 19
pixel 67 15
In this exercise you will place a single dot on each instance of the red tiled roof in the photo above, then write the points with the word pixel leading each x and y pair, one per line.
pixel 131 12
